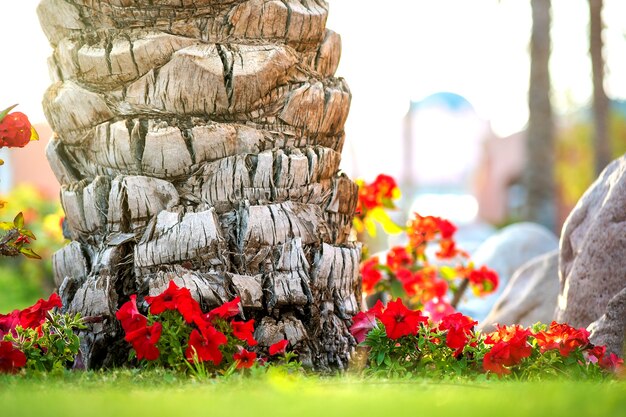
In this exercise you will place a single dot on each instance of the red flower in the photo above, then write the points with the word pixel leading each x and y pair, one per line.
pixel 130 317
pixel 595 354
pixel 370 274
pixel 612 362
pixel 483 281
pixel 497 358
pixel 449 250
pixel 400 321
pixel 517 339
pixel 279 347
pixel 8 322
pixel 399 257
pixel 144 340
pixel 11 358
pixel 386 187
pixel 206 345
pixel 422 284
pixel 244 330
pixel 446 228
pixel 226 310
pixel 562 337
pixel 175 298
pixel 33 317
pixel 362 323
pixel 15 130
pixel 459 330
pixel 244 358
pixel 22 239
pixel 510 346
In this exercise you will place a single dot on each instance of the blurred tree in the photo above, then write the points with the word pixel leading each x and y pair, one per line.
pixel 538 177
pixel 602 148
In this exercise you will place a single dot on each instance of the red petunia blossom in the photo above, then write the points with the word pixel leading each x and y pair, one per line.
pixel 497 358
pixel 144 340
pixel 562 337
pixel 244 330
pixel 175 298
pixel 34 316
pixel 483 281
pixel 206 345
pixel 595 354
pixel 598 355
pixel 516 337
pixel 612 362
pixel 398 257
pixel 8 323
pixel 15 130
pixel 279 347
pixel 130 317
pixel 11 358
pixel 244 358
pixel 362 323
pixel 370 274
pixel 226 310
pixel 459 331
pixel 400 321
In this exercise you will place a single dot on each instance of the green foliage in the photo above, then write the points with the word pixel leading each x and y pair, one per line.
pixel 123 393
pixel 23 281
pixel 51 347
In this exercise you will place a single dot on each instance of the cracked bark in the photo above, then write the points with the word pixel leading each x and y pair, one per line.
pixel 199 141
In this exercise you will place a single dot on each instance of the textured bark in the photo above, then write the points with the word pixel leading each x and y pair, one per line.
pixel 538 176
pixel 199 141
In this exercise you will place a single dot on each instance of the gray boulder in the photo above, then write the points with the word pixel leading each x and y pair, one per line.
pixel 593 253
pixel 505 252
pixel 530 296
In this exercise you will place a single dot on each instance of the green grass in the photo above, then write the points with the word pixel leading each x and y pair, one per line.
pixel 275 395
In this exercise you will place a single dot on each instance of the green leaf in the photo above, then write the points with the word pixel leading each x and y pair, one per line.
pixel 28 234
pixel 6 111
pixel 18 221
pixel 6 225
pixel 380 358
pixel 29 253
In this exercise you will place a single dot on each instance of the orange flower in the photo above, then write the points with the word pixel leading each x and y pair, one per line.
pixel 562 337
pixel 421 230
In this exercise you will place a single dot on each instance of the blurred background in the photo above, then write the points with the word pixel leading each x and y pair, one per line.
pixel 487 112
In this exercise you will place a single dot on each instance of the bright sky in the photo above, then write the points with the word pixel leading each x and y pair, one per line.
pixel 395 51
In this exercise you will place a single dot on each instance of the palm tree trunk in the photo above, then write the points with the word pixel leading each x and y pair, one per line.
pixel 200 141
pixel 602 144
pixel 539 175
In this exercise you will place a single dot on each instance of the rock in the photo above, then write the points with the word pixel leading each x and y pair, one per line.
pixel 530 296
pixel 593 253
pixel 609 329
pixel 505 252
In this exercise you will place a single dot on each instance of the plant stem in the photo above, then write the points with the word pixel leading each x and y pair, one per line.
pixel 459 292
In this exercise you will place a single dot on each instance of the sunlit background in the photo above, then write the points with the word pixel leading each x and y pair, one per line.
pixel 436 86
pixel 400 52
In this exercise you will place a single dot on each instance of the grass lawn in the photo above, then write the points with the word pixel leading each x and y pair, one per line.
pixel 142 394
